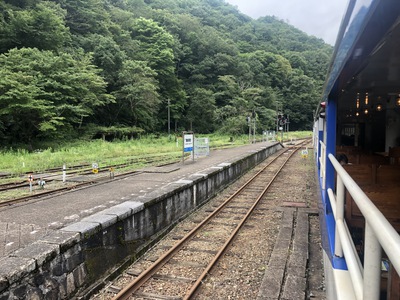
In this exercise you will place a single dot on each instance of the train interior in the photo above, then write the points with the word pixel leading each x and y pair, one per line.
pixel 368 139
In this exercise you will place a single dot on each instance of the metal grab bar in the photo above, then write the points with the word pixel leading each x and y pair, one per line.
pixel 322 160
pixel 379 233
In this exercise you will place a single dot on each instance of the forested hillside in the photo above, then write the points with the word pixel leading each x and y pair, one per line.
pixel 86 68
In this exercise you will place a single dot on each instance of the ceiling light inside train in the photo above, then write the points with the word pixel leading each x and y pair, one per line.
pixel 358 100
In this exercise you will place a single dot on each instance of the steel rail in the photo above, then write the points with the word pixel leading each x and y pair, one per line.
pixel 234 233
pixel 134 285
pixel 43 193
pixel 84 169
pixel 99 180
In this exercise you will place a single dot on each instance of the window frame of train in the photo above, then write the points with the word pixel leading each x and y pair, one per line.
pixel 188 144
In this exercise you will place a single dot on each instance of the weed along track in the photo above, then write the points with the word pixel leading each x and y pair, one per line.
pixel 182 267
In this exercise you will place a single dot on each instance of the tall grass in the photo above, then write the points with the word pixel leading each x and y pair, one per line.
pixel 103 152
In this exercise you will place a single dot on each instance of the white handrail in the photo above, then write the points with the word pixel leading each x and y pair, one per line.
pixel 322 161
pixel 353 261
pixel 379 231
pixel 332 199
pixel 355 273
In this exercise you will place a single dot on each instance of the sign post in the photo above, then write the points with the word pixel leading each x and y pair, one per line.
pixel 30 179
pixel 188 144
pixel 95 168
pixel 304 153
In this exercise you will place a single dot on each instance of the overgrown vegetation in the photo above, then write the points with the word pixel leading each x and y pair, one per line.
pixel 107 153
pixel 113 69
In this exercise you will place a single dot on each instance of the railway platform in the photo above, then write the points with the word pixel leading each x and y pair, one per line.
pixel 26 224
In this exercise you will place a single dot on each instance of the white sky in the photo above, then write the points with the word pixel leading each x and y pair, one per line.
pixel 320 18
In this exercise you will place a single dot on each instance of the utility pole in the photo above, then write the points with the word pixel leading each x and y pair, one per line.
pixel 278 114
pixel 169 120
pixel 254 131
pixel 287 126
pixel 254 126
pixel 249 124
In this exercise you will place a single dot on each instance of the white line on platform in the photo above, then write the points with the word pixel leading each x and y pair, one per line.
pixel 72 217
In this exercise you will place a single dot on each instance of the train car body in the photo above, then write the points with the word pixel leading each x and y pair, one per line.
pixel 359 119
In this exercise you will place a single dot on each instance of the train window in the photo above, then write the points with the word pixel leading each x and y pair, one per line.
pixel 347 135
pixel 348 130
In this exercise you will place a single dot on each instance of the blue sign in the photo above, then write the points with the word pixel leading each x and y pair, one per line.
pixel 187 142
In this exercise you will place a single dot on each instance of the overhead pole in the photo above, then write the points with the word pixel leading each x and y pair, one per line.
pixel 254 127
pixel 249 124
pixel 169 120
pixel 279 120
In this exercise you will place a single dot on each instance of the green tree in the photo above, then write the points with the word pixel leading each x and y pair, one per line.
pixel 137 96
pixel 270 69
pixel 201 111
pixel 300 100
pixel 108 56
pixel 146 54
pixel 42 27
pixel 155 46
pixel 22 3
pixel 42 93
pixel 86 16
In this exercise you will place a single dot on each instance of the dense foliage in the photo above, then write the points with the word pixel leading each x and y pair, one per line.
pixel 91 68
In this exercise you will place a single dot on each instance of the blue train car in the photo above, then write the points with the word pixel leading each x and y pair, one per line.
pixel 357 152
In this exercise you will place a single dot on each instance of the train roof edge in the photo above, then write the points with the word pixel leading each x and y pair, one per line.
pixel 366 26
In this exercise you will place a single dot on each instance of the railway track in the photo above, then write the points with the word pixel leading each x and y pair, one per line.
pixel 174 275
pixel 54 176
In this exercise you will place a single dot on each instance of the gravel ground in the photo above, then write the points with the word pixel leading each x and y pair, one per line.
pixel 240 272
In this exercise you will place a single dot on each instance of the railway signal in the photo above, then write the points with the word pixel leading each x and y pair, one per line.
pixel 282 123
pixel 30 179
